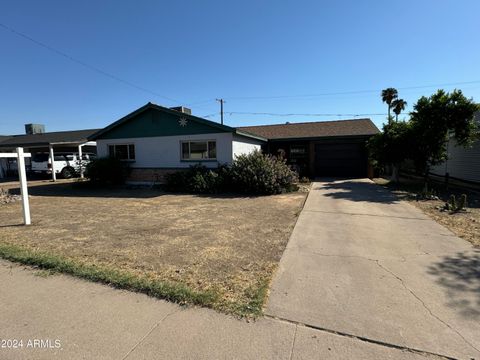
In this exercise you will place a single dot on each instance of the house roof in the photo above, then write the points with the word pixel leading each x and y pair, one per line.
pixel 48 138
pixel 318 129
pixel 3 138
pixel 148 106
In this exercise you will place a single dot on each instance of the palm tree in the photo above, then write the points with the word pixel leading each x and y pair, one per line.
pixel 388 95
pixel 398 106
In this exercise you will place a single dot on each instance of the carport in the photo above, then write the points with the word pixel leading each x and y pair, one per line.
pixel 51 142
pixel 323 148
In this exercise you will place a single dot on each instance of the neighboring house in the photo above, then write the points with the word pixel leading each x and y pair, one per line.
pixel 462 163
pixel 156 140
pixel 324 148
pixel 38 141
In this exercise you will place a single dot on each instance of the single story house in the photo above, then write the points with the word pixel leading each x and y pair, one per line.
pixel 323 148
pixel 463 163
pixel 156 140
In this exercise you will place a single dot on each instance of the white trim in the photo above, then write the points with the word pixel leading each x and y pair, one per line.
pixel 14 155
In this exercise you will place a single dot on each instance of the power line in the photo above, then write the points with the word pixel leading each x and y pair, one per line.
pixel 347 92
pixel 86 65
pixel 209 115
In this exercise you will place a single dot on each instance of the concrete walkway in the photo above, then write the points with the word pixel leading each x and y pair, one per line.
pixel 362 278
pixel 361 263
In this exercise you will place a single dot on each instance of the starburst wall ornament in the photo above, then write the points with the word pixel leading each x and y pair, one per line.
pixel 182 122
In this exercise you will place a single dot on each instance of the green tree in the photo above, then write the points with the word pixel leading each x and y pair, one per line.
pixel 388 95
pixel 433 120
pixel 391 147
pixel 398 106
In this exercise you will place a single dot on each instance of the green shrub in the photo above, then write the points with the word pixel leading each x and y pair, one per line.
pixel 254 173
pixel 196 179
pixel 257 173
pixel 107 171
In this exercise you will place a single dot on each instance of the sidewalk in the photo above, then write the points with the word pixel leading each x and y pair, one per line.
pixel 93 321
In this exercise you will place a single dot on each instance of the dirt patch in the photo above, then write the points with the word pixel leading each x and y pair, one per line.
pixel 465 224
pixel 226 244
pixel 6 197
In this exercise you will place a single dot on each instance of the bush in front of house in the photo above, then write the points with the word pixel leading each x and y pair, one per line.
pixel 257 173
pixel 196 179
pixel 254 173
pixel 107 171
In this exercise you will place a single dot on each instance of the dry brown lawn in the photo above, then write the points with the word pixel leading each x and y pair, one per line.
pixel 226 244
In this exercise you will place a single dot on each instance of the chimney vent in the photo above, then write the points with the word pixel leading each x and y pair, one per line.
pixel 182 109
pixel 31 129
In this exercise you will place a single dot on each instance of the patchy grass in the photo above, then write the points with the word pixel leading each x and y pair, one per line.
pixel 119 279
pixel 214 251
pixel 465 224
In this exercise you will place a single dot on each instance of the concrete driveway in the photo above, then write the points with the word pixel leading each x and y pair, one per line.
pixel 362 264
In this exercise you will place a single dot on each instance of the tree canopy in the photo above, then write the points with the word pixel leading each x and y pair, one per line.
pixel 423 138
pixel 434 119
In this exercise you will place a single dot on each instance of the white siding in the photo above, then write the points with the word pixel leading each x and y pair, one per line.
pixel 242 145
pixel 165 152
pixel 462 163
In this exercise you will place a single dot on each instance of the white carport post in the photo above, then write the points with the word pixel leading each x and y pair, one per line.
pixel 80 160
pixel 52 162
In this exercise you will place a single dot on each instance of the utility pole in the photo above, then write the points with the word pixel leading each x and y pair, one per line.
pixel 221 101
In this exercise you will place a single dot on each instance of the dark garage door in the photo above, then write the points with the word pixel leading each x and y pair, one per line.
pixel 341 159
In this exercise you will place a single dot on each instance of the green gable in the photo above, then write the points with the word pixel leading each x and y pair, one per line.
pixel 153 120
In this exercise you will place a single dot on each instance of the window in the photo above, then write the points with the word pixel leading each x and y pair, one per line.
pixel 40 157
pixel 298 152
pixel 199 150
pixel 122 151
pixel 59 157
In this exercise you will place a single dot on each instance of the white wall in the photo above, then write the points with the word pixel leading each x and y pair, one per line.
pixel 243 145
pixel 165 151
pixel 462 163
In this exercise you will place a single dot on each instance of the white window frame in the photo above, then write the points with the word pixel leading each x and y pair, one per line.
pixel 198 141
pixel 129 158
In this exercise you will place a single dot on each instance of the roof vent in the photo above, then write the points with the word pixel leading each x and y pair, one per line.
pixel 31 129
pixel 182 109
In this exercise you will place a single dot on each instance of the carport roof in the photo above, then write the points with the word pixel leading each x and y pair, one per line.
pixel 318 129
pixel 48 138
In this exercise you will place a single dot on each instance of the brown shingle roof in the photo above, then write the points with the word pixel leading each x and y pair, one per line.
pixel 354 127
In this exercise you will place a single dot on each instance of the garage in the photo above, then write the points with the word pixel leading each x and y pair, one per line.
pixel 341 159
pixel 323 148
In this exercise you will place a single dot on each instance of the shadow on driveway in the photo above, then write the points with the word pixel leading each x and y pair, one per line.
pixel 459 274
pixel 356 190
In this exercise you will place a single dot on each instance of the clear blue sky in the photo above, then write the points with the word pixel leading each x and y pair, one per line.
pixel 196 51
